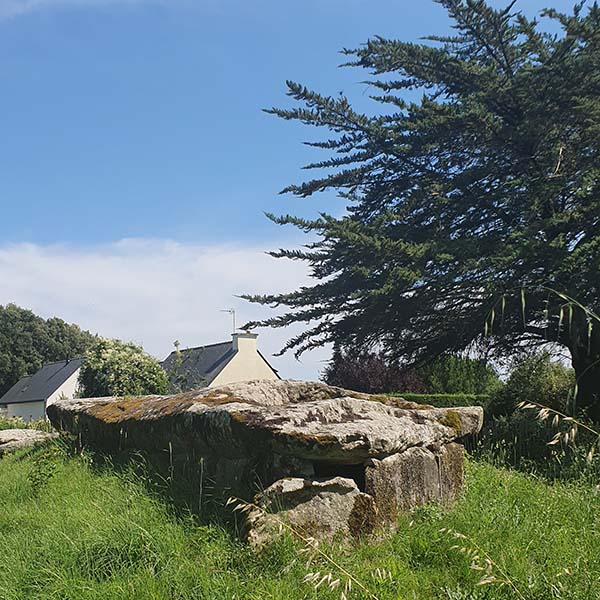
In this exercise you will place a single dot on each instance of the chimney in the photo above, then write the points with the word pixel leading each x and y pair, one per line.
pixel 244 342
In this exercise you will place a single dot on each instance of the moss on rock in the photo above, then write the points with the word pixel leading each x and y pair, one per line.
pixel 451 418
pixel 363 519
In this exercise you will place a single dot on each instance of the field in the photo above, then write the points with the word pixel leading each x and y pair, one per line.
pixel 74 528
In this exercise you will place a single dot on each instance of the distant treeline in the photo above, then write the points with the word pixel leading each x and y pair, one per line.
pixel 27 341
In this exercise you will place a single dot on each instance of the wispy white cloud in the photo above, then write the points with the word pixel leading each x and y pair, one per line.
pixel 13 8
pixel 154 292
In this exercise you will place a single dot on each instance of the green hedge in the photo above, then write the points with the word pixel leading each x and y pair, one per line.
pixel 448 400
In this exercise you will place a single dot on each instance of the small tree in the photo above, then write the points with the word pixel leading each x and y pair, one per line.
pixel 374 373
pixel 114 368
pixel 371 373
pixel 536 378
pixel 450 374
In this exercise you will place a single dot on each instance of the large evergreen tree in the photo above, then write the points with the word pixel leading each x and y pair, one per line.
pixel 28 341
pixel 464 206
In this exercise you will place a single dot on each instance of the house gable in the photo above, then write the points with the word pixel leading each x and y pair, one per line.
pixel 43 384
pixel 218 364
pixel 67 390
pixel 245 367
pixel 28 398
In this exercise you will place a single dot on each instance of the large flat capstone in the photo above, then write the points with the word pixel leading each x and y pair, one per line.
pixel 250 435
pixel 300 419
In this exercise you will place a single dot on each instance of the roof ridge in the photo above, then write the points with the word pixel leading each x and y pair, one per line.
pixel 43 383
pixel 66 361
pixel 200 347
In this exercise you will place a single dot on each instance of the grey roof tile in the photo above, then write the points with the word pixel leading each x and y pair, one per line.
pixel 199 366
pixel 41 385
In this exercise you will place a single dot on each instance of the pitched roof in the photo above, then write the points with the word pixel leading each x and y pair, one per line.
pixel 199 366
pixel 41 385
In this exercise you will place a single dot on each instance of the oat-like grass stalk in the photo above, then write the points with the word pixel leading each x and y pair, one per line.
pixel 557 418
pixel 491 572
pixel 345 582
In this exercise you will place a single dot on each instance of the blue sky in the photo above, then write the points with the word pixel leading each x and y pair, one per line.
pixel 141 120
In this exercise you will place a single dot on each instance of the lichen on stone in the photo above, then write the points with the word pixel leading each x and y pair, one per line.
pixel 395 401
pixel 117 410
pixel 363 519
pixel 451 418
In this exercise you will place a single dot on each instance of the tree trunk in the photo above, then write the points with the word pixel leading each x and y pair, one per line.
pixel 585 356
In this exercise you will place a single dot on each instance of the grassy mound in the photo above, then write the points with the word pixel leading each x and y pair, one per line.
pixel 72 530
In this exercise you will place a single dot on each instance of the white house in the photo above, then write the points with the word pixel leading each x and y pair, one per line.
pixel 218 364
pixel 30 396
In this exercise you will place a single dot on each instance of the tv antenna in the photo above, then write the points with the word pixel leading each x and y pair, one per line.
pixel 231 311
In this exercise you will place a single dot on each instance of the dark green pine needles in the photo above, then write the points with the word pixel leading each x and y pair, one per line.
pixel 486 186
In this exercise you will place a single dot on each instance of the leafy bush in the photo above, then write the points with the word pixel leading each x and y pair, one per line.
pixel 114 368
pixel 44 466
pixel 537 378
pixel 374 373
pixel 450 374
pixel 520 441
pixel 514 438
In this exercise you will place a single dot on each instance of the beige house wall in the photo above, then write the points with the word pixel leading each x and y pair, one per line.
pixel 247 364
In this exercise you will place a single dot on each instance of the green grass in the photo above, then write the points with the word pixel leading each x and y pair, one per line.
pixel 16 423
pixel 70 529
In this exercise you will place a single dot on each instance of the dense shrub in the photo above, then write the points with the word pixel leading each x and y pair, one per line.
pixel 372 372
pixel 114 368
pixel 450 374
pixel 515 438
pixel 537 378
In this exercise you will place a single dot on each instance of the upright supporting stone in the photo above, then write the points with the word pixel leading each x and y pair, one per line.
pixel 414 477
pixel 312 508
pixel 451 461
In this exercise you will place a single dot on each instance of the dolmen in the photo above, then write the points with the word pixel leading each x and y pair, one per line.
pixel 321 459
